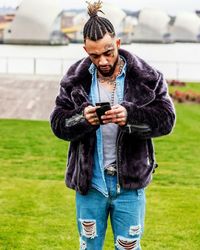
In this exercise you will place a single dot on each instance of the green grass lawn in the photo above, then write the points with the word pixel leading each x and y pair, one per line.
pixel 37 210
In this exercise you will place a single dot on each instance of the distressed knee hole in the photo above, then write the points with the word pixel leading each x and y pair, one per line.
pixel 88 228
pixel 126 243
pixel 135 230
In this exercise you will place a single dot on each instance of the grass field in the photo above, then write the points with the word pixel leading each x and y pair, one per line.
pixel 37 210
pixel 189 86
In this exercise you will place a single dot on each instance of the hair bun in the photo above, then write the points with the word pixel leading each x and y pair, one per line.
pixel 97 26
pixel 94 8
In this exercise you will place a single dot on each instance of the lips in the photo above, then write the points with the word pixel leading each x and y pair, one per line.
pixel 105 68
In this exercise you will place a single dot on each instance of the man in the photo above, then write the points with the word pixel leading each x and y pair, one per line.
pixel 111 158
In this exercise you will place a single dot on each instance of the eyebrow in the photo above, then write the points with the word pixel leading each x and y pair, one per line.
pixel 94 54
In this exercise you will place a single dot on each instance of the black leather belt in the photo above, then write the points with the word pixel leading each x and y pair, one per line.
pixel 111 169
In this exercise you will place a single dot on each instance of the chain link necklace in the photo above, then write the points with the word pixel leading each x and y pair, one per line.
pixel 111 81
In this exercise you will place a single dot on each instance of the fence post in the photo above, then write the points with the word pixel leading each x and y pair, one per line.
pixel 34 65
pixel 6 65
pixel 62 66
pixel 177 70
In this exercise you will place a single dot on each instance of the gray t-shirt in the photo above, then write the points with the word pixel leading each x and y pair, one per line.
pixel 109 131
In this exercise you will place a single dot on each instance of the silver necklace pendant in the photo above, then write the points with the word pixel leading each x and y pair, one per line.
pixel 112 99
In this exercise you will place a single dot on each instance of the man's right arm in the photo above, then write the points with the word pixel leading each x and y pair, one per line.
pixel 67 119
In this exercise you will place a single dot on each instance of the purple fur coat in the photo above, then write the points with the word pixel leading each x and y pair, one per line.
pixel 150 114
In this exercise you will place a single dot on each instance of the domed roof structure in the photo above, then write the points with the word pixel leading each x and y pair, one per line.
pixel 186 27
pixel 153 26
pixel 35 22
pixel 114 14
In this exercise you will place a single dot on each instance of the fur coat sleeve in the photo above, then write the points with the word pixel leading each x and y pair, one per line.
pixel 67 121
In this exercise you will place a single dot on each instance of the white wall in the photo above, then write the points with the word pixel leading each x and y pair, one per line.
pixel 186 71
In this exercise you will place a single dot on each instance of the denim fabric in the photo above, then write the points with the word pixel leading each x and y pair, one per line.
pixel 126 211
pixel 98 181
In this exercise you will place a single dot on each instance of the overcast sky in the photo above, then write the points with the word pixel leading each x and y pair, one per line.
pixel 171 6
pixel 168 5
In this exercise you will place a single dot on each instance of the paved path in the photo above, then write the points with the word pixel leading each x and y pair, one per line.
pixel 27 96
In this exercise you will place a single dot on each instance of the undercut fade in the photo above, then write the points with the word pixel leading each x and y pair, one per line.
pixel 96 27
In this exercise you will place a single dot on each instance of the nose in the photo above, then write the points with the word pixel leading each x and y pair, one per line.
pixel 103 61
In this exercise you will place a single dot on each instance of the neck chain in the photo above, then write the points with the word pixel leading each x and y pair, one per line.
pixel 111 81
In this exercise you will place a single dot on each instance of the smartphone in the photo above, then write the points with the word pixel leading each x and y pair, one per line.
pixel 104 106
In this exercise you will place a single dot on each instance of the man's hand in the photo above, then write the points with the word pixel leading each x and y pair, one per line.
pixel 117 114
pixel 90 115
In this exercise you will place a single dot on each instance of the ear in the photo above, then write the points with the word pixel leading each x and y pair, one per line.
pixel 118 42
pixel 85 48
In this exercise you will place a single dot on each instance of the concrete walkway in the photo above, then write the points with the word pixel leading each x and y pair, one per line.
pixel 28 96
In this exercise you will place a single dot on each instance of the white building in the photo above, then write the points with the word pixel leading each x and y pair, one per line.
pixel 36 22
pixel 186 27
pixel 153 26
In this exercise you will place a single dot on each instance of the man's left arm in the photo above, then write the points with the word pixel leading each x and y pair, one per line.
pixel 154 119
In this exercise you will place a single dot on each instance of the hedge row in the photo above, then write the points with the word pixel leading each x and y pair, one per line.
pixel 183 96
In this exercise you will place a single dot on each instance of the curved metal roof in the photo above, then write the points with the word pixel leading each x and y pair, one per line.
pixel 34 21
pixel 154 18
pixel 186 27
pixel 153 25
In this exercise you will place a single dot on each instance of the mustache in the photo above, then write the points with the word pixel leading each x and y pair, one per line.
pixel 110 71
pixel 106 71
pixel 105 67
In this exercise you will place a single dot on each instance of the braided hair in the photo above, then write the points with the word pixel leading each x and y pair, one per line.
pixel 96 27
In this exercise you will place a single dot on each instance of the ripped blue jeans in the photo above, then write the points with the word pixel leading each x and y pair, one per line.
pixel 126 211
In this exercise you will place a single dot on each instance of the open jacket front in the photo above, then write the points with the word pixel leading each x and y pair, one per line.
pixel 150 114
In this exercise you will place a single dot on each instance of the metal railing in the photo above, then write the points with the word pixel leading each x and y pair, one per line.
pixel 188 71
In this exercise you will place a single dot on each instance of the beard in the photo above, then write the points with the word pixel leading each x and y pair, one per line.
pixel 108 70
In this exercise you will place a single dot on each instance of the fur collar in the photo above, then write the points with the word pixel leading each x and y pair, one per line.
pixel 141 79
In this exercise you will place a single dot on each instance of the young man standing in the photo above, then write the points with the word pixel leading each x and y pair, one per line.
pixel 111 158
